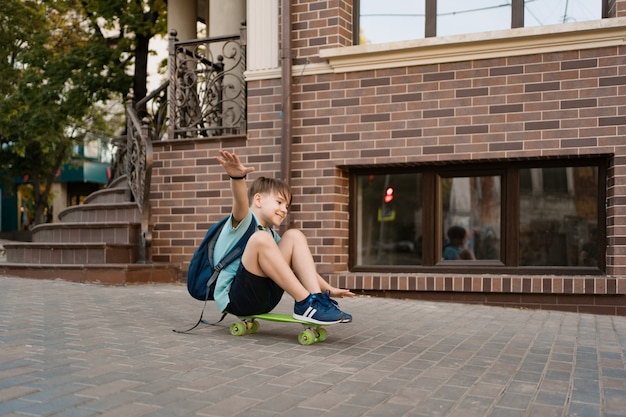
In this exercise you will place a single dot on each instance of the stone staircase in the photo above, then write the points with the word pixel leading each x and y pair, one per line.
pixel 97 242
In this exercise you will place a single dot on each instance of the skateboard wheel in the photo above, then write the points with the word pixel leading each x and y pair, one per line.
pixel 307 337
pixel 238 329
pixel 321 334
pixel 253 326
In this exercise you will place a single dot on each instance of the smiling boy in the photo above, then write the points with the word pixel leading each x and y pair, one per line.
pixel 270 264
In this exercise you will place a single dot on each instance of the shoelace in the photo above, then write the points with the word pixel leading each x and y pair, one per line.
pixel 329 301
pixel 325 298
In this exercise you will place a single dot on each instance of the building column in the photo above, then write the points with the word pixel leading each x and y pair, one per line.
pixel 263 35
pixel 225 17
pixel 182 16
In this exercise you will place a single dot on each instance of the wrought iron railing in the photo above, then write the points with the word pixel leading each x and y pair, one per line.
pixel 153 109
pixel 138 163
pixel 205 96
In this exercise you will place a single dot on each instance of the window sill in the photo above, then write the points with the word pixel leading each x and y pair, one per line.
pixel 474 282
pixel 487 45
pixel 480 268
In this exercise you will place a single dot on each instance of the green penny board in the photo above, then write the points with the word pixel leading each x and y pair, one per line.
pixel 312 333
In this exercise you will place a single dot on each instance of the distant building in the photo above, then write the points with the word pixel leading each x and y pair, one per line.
pixel 88 171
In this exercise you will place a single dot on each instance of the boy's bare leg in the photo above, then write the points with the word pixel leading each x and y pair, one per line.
pixel 297 254
pixel 262 257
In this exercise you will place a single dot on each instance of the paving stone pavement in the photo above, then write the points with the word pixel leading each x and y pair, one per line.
pixel 78 350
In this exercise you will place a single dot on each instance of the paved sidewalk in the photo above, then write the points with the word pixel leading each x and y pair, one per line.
pixel 70 349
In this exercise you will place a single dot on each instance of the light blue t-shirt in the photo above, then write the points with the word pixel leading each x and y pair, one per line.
pixel 228 238
pixel 451 252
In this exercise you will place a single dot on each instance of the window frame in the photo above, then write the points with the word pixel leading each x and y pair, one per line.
pixel 510 216
pixel 430 24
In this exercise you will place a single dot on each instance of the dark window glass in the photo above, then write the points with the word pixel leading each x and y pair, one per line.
pixel 535 217
pixel 389 219
pixel 471 213
pixel 559 220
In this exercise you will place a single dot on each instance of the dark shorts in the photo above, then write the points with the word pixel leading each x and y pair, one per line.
pixel 251 294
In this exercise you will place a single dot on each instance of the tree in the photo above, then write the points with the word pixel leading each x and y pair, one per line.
pixel 127 27
pixel 58 60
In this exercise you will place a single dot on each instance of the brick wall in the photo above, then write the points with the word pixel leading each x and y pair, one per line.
pixel 320 24
pixel 544 105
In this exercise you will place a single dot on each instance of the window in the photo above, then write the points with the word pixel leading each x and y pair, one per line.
pixel 389 219
pixel 389 21
pixel 558 221
pixel 470 217
pixel 457 18
pixel 532 216
pixel 396 20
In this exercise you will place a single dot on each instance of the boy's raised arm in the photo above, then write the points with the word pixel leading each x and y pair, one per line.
pixel 237 172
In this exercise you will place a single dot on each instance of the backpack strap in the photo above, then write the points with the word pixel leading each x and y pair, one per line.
pixel 233 254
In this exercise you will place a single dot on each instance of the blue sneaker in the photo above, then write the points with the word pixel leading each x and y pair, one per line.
pixel 315 309
pixel 347 318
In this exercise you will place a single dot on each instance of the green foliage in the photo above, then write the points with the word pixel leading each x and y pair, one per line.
pixel 59 62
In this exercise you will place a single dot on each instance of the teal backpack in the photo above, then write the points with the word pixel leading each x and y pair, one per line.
pixel 203 272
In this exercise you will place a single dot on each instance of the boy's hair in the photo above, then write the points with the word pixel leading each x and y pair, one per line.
pixel 264 185
pixel 456 232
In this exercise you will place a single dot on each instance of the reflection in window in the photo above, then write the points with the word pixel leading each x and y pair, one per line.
pixel 553 180
pixel 558 216
pixel 391 20
pixel 457 18
pixel 398 20
pixel 552 12
pixel 471 212
pixel 389 219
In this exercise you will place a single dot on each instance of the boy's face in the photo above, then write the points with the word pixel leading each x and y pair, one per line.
pixel 272 207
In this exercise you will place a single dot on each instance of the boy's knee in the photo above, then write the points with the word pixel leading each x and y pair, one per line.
pixel 294 235
pixel 261 238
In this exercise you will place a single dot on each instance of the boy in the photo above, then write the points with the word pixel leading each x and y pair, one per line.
pixel 269 265
pixel 455 250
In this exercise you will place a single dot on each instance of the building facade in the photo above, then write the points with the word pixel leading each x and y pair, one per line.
pixel 515 136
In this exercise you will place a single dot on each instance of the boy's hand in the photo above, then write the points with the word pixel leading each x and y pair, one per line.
pixel 232 165
pixel 340 293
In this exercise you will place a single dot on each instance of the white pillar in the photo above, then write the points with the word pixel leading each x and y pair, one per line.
pixel 182 15
pixel 262 35
pixel 225 17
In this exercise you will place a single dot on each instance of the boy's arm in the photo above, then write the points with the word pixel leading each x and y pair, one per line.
pixel 240 200
pixel 237 172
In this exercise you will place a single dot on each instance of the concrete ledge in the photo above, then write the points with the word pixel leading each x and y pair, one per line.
pixel 608 305
pixel 476 283
pixel 476 46
pixel 122 274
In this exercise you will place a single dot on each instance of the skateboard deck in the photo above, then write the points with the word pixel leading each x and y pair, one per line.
pixel 250 324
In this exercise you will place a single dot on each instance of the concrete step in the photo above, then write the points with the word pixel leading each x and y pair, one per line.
pixel 101 213
pixel 113 232
pixel 106 274
pixel 109 196
pixel 70 253
pixel 119 182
